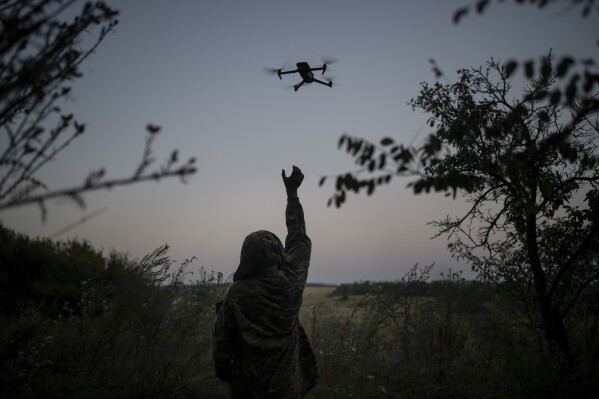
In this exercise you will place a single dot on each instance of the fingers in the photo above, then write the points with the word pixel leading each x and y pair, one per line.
pixel 297 170
pixel 296 175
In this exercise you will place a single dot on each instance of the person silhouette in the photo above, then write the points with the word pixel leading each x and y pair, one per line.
pixel 259 346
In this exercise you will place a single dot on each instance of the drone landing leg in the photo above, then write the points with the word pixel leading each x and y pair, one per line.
pixel 297 86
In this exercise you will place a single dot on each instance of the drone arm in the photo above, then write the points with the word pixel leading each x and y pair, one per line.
pixel 286 72
pixel 322 68
pixel 330 84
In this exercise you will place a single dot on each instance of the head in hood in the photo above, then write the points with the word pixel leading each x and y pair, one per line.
pixel 261 254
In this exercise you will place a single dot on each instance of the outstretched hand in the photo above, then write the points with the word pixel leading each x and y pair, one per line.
pixel 293 181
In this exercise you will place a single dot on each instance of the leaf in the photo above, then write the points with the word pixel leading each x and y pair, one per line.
pixel 510 67
pixel 436 70
pixel 174 156
pixel 459 14
pixel 418 186
pixel 387 141
pixel 563 66
pixel 152 129
pixel 357 145
pixel 79 127
pixel 571 89
pixel 586 11
pixel 481 5
pixel 371 187
pixel 567 151
pixel 371 166
pixel 529 69
pixel 382 161
pixel 546 69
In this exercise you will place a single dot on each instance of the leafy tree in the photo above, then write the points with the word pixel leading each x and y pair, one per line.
pixel 527 223
pixel 527 167
pixel 40 56
pixel 480 6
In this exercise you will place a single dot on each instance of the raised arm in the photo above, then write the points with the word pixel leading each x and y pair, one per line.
pixel 297 244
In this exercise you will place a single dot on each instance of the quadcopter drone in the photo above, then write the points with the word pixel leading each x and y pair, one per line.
pixel 305 71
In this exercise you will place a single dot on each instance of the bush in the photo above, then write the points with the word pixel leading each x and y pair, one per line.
pixel 126 328
pixel 40 272
pixel 400 343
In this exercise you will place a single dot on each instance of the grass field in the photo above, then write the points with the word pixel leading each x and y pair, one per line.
pixel 318 298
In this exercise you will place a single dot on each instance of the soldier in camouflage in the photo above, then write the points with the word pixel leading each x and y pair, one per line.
pixel 258 344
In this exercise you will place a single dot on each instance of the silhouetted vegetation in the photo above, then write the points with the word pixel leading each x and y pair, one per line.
pixel 79 323
pixel 447 338
pixel 114 326
pixel 41 50
pixel 76 323
pixel 525 230
pixel 523 164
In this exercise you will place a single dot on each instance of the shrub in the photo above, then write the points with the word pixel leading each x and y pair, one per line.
pixel 129 329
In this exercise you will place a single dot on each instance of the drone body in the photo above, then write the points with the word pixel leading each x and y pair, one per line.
pixel 306 72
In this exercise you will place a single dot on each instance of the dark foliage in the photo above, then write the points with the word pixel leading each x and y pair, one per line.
pixel 446 338
pixel 40 272
pixel 473 292
pixel 524 166
pixel 76 323
pixel 40 57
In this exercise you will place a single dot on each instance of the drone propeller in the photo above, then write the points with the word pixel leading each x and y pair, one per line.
pixel 270 71
pixel 274 71
pixel 328 60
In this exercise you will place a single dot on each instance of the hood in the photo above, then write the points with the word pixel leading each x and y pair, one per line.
pixel 261 254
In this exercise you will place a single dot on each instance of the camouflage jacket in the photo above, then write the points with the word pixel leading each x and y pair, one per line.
pixel 258 344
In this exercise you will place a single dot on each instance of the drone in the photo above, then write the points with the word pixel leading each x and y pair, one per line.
pixel 306 72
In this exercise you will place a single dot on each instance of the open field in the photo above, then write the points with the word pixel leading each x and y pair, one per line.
pixel 318 298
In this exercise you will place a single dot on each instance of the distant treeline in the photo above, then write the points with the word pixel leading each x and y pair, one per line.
pixel 320 285
pixel 476 290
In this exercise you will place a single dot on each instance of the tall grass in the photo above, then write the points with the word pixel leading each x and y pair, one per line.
pixel 140 334
pixel 447 345
pixel 135 330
